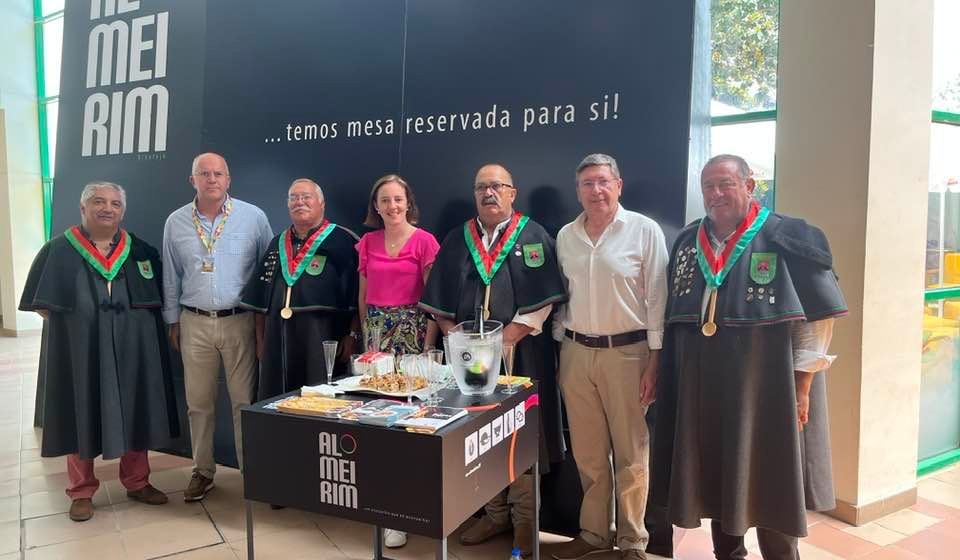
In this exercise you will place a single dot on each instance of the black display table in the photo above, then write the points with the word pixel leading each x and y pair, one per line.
pixel 425 484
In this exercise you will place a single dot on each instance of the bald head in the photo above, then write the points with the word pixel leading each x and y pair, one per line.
pixel 494 169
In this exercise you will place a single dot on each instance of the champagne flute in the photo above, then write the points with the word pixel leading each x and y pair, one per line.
pixel 511 387
pixel 329 357
pixel 437 378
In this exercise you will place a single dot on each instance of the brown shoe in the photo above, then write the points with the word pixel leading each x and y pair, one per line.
pixel 576 549
pixel 148 495
pixel 633 554
pixel 482 530
pixel 198 488
pixel 81 509
pixel 523 538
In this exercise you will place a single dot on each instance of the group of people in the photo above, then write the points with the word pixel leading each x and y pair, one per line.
pixel 726 332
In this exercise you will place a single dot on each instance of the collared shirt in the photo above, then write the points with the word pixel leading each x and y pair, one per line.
pixel 619 283
pixel 810 340
pixel 534 319
pixel 244 240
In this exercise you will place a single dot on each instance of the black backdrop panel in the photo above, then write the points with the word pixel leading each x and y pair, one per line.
pixel 345 91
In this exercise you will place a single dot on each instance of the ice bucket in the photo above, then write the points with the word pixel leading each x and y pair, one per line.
pixel 476 357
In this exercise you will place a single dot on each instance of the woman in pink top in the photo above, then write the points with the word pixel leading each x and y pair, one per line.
pixel 395 261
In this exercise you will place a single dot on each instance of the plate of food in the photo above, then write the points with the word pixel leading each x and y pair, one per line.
pixel 317 406
pixel 389 384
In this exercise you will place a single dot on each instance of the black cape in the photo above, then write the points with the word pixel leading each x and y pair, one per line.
pixel 104 386
pixel 323 301
pixel 455 289
pixel 727 445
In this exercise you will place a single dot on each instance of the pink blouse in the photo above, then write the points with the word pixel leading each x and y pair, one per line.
pixel 395 280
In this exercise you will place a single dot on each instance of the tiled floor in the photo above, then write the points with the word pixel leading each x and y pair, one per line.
pixel 34 524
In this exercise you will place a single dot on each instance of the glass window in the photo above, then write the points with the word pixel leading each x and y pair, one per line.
pixel 52 51
pixel 52 7
pixel 943 210
pixel 745 34
pixel 755 143
pixel 940 378
pixel 946 63
pixel 53 115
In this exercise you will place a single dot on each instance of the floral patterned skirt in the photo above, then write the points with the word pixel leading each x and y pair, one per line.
pixel 403 328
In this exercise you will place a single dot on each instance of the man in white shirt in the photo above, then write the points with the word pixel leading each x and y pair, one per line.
pixel 614 261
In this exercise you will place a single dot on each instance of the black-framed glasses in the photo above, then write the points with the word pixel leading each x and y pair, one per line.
pixel 496 186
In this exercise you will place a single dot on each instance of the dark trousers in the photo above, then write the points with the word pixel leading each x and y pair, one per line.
pixel 773 544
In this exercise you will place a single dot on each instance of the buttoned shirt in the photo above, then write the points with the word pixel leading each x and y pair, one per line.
pixel 619 283
pixel 243 241
pixel 810 340
pixel 534 319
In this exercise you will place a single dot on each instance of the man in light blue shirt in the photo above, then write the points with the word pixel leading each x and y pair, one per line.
pixel 210 247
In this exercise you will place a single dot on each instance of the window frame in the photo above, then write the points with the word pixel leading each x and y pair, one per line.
pixel 43 100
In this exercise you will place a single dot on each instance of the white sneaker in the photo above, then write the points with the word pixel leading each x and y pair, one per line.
pixel 393 538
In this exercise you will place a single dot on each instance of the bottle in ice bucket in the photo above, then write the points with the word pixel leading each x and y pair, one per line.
pixel 476 349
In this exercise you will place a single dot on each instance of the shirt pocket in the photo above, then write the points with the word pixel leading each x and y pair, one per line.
pixel 238 244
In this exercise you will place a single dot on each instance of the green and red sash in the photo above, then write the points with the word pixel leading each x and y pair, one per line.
pixel 715 267
pixel 488 263
pixel 293 265
pixel 107 267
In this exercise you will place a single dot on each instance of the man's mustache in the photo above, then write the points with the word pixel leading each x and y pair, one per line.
pixel 489 199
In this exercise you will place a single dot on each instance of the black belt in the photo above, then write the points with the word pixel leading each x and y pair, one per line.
pixel 215 314
pixel 604 341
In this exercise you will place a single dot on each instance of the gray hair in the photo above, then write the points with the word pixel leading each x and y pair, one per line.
pixel 91 188
pixel 743 168
pixel 309 181
pixel 196 162
pixel 599 159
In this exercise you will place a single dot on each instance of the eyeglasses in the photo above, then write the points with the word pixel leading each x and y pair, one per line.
pixel 208 174
pixel 589 185
pixel 299 197
pixel 726 185
pixel 482 187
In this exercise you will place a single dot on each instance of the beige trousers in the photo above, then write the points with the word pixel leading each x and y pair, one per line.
pixel 514 504
pixel 601 391
pixel 204 343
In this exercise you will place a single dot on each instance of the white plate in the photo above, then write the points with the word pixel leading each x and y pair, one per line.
pixel 352 385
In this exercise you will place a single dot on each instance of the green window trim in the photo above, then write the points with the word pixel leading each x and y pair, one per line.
pixel 46 174
pixel 945 117
pixel 938 462
pixel 754 116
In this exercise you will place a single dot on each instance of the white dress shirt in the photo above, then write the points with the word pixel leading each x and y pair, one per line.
pixel 534 319
pixel 619 283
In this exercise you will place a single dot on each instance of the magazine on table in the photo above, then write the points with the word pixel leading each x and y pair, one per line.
pixel 429 419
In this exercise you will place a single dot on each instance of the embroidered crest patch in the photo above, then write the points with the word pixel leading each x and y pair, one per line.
pixel 763 267
pixel 533 255
pixel 315 268
pixel 146 269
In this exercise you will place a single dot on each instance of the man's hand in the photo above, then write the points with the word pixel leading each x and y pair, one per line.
pixel 514 333
pixel 259 339
pixel 43 313
pixel 174 333
pixel 804 379
pixel 345 348
pixel 648 385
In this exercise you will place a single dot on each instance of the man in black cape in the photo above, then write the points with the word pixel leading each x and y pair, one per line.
pixel 506 263
pixel 104 385
pixel 742 425
pixel 304 292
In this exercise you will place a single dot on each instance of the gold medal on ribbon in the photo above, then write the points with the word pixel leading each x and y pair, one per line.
pixel 709 327
pixel 287 312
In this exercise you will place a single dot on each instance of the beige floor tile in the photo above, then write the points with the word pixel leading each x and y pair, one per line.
pixel 30 455
pixel 295 544
pixel 9 458
pixel 216 552
pixel 30 439
pixel 169 537
pixel 9 473
pixel 11 556
pixel 810 552
pixel 232 523
pixel 54 529
pixel 102 547
pixel 940 492
pixel 131 514
pixel 174 480
pixel 41 504
pixel 10 509
pixel 876 533
pixel 44 483
pixel 950 476
pixel 9 488
pixel 907 522
pixel 42 467
pixel 9 537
